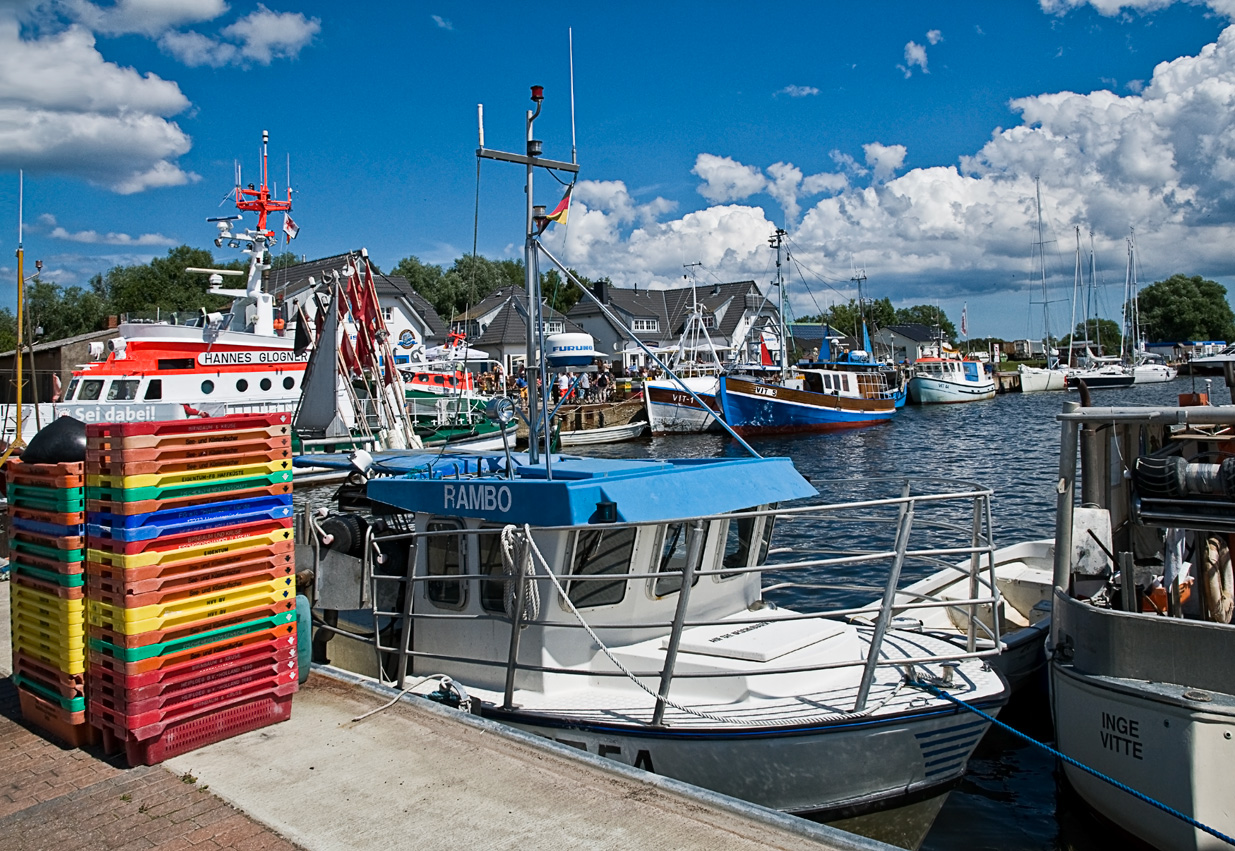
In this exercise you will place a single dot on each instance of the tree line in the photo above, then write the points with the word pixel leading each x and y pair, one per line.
pixel 1176 309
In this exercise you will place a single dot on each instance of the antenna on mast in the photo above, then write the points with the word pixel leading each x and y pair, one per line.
pixel 570 35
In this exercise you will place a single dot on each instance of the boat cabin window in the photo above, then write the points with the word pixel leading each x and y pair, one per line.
pixel 265 383
pixel 207 386
pixel 674 547
pixel 154 390
pixel 176 363
pixel 242 385
pixel 492 591
pixel 123 390
pixel 72 388
pixel 599 552
pixel 444 557
pixel 845 380
pixel 289 383
pixel 91 390
pixel 746 541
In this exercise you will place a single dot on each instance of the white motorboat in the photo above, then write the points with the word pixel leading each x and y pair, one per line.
pixel 1143 651
pixel 605 434
pixel 947 380
pixel 677 409
pixel 1023 574
pixel 1152 372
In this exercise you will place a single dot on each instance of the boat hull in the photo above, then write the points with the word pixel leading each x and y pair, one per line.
pixel 671 410
pixel 607 434
pixel 1147 701
pixel 1100 381
pixel 753 407
pixel 935 391
pixel 828 770
pixel 1153 374
pixel 1038 380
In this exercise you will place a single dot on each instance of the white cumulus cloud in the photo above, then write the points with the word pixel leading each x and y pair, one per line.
pixel 143 17
pixel 884 160
pixel 915 56
pixel 259 37
pixel 91 237
pixel 726 179
pixel 798 91
pixel 65 109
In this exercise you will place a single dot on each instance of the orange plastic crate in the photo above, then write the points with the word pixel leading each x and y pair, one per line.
pixel 70 728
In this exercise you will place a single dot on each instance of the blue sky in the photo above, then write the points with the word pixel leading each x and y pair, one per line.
pixel 899 139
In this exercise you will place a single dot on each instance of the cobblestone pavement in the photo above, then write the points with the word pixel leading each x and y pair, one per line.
pixel 58 798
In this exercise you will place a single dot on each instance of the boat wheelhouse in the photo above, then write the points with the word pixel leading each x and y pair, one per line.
pixel 944 380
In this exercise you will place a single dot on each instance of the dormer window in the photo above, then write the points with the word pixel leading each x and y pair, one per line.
pixel 644 325
pixel 554 327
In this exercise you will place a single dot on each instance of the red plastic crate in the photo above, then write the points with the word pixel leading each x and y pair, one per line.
pixel 75 542
pixel 189 689
pixel 150 724
pixel 65 568
pixel 243 444
pixel 169 678
pixel 146 506
pixel 63 592
pixel 48 675
pixel 60 518
pixel 283 636
pixel 189 427
pixel 103 465
pixel 67 475
pixel 115 591
pixel 205 729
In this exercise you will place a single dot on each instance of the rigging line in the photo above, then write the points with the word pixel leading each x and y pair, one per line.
pixel 826 279
pixel 809 292
pixel 552 173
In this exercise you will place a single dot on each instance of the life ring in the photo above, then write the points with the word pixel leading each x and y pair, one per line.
pixel 1216 573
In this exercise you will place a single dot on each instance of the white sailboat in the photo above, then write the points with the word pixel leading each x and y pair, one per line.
pixel 1146 368
pixel 1053 376
pixel 1098 372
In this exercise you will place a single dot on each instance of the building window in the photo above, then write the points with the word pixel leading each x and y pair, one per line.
pixel 638 325
pixel 388 313
pixel 555 327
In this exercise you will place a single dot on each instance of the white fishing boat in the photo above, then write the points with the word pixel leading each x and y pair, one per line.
pixel 1036 379
pixel 1022 587
pixel 1143 649
pixel 686 403
pixel 948 380
pixel 618 606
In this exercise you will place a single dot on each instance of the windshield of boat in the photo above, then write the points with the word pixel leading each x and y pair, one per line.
pixel 444 557
pixel 600 552
pixel 90 390
pixel 123 390
pixel 675 543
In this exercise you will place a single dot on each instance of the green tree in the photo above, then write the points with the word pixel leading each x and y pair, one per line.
pixel 930 316
pixel 163 285
pixel 845 317
pixel 1104 336
pixel 558 292
pixel 1182 308
pixel 62 311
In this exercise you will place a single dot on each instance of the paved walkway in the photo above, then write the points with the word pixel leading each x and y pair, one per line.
pixel 411 776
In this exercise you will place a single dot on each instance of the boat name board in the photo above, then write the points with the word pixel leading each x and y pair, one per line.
pixel 476 497
pixel 1122 735
pixel 265 356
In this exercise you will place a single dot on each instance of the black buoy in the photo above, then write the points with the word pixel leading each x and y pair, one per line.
pixel 61 441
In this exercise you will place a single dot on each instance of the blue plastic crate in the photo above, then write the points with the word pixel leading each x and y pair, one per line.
pixel 156 524
pixel 54 530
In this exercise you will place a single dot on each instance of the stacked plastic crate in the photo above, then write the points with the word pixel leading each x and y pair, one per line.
pixel 47 556
pixel 191 581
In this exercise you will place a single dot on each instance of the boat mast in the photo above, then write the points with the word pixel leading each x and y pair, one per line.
pixel 1046 311
pixel 535 221
pixel 777 241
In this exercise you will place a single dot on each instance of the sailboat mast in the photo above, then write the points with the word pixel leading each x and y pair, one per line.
pixel 1046 317
pixel 777 242
pixel 21 287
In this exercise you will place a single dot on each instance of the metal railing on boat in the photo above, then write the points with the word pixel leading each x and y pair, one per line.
pixel 963 513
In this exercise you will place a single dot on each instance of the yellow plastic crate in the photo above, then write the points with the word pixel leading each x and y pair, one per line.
pixel 182 554
pixel 30 599
pixel 183 612
pixel 51 625
pixel 190 477
pixel 71 660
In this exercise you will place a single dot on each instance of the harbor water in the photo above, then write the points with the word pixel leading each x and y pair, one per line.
pixel 1011 798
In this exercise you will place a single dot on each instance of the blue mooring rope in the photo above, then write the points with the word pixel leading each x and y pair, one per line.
pixel 1111 780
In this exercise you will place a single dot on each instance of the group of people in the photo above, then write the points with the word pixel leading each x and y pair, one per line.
pixel 583 386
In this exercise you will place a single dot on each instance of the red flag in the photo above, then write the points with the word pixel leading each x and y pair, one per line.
pixel 290 228
pixel 765 357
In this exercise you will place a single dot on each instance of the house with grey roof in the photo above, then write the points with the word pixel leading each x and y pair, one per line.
pixel 734 315
pixel 498 326
pixel 903 342
pixel 410 318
